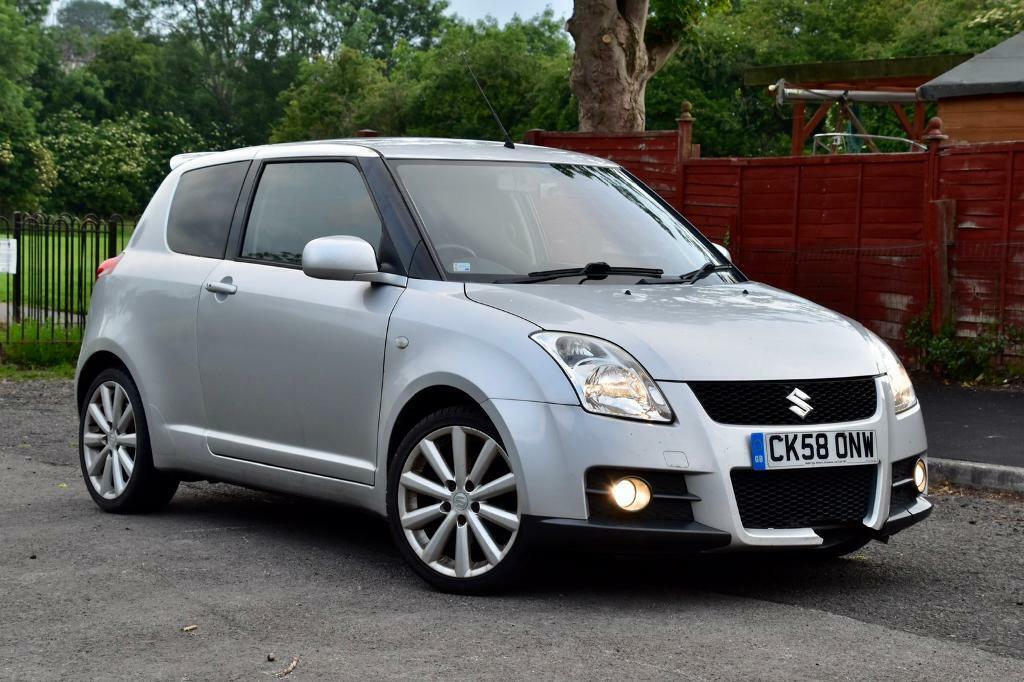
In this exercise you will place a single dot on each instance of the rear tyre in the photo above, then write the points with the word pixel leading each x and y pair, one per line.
pixel 114 450
pixel 453 503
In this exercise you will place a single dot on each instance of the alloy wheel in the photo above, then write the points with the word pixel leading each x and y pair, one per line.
pixel 457 502
pixel 109 440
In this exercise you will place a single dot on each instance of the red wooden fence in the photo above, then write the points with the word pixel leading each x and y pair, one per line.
pixel 875 236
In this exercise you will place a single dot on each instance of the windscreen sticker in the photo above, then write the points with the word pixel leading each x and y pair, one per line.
pixel 459 266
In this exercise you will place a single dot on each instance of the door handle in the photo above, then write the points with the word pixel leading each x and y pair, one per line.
pixel 223 288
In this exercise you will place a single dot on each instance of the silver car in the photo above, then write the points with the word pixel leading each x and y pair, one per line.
pixel 494 348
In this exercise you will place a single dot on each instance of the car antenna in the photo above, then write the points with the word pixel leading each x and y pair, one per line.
pixel 508 138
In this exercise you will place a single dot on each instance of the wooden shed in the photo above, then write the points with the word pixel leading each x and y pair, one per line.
pixel 982 99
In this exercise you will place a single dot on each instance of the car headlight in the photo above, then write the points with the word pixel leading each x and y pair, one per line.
pixel 902 388
pixel 607 379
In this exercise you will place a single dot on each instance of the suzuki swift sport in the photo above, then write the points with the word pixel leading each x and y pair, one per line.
pixel 493 348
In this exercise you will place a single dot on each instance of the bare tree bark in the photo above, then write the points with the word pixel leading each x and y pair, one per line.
pixel 614 60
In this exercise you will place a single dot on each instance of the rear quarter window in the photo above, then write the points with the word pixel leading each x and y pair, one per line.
pixel 201 211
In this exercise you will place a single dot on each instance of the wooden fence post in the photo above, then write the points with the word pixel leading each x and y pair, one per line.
pixel 684 149
pixel 796 142
pixel 533 136
pixel 367 132
pixel 936 239
pixel 685 133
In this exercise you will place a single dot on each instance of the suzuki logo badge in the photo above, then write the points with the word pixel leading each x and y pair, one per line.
pixel 800 406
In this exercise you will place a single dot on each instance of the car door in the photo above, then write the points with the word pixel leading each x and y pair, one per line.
pixel 292 366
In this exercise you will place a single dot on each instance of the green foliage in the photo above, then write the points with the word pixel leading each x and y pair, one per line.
pixel 333 98
pixel 242 54
pixel 89 17
pixel 26 168
pixel 962 358
pixel 129 71
pixel 113 166
pixel 671 19
pixel 1003 18
pixel 523 67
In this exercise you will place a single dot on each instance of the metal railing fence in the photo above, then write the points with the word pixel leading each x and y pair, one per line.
pixel 47 270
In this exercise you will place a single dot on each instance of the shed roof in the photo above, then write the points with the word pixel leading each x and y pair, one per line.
pixel 996 71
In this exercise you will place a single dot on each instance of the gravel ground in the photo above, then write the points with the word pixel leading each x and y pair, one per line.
pixel 88 595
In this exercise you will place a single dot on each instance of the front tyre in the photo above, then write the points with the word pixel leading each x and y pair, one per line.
pixel 453 503
pixel 114 451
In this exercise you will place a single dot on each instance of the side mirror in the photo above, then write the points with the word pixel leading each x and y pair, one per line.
pixel 340 258
pixel 724 251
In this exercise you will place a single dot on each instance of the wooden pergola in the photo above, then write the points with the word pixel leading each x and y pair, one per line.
pixel 885 82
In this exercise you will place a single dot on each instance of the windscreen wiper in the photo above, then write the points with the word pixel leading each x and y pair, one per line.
pixel 691 277
pixel 589 271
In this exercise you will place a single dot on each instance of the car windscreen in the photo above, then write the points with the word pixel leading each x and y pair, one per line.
pixel 490 221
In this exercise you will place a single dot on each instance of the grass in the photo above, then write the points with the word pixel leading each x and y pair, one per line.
pixel 38 349
pixel 58 269
pixel 9 372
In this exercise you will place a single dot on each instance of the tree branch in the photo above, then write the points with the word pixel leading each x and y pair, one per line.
pixel 659 51
pixel 635 12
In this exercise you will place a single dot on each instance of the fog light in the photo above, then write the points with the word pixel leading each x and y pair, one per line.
pixel 921 476
pixel 632 494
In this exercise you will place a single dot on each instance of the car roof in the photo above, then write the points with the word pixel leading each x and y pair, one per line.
pixel 395 148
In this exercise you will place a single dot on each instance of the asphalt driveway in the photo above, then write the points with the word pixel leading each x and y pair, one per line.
pixel 973 424
pixel 89 595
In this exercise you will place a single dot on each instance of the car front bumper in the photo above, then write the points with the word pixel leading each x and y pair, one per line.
pixel 555 445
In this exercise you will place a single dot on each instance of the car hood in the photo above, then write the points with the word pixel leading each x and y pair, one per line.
pixel 714 332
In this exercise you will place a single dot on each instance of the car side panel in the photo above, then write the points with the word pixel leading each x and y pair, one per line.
pixel 145 314
pixel 453 341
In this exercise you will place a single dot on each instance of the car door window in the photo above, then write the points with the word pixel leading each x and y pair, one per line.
pixel 297 202
pixel 201 210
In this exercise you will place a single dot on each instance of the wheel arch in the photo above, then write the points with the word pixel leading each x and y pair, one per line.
pixel 424 402
pixel 91 368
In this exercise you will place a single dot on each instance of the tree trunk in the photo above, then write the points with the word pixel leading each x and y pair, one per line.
pixel 613 63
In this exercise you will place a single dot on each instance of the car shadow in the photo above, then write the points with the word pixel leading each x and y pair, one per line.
pixel 341 531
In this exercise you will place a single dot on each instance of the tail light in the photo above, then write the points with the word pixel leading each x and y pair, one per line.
pixel 107 266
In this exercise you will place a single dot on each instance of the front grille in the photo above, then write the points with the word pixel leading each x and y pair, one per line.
pixel 670 501
pixel 804 498
pixel 767 403
pixel 905 495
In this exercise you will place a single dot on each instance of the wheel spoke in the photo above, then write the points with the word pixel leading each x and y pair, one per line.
pixel 418 484
pixel 117 409
pixel 97 417
pixel 484 539
pixel 118 474
pixel 499 486
pixel 125 417
pixel 107 399
pixel 436 545
pixel 107 478
pixel 500 517
pixel 97 464
pixel 418 518
pixel 483 461
pixel 126 439
pixel 459 455
pixel 437 463
pixel 93 439
pixel 126 462
pixel 462 562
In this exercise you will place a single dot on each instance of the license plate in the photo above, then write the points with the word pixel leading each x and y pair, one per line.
pixel 819 448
